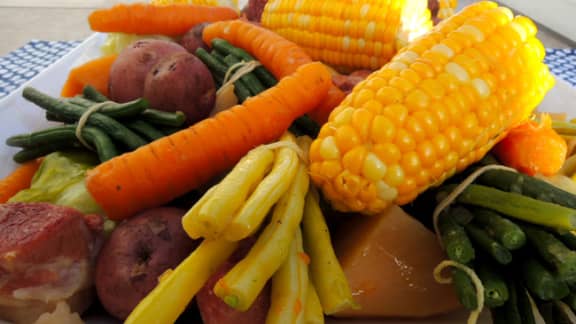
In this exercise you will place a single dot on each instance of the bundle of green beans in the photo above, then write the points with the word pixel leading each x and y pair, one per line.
pixel 224 56
pixel 111 130
pixel 515 232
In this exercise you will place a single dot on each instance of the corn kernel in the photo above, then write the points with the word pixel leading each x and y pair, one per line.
pixel 342 117
pixel 373 169
pixel 387 153
pixel 457 71
pixel 396 113
pixel 353 160
pixel 389 95
pixel 328 149
pixel 346 138
pixel 385 192
pixel 331 168
pixel 417 99
pixel 348 184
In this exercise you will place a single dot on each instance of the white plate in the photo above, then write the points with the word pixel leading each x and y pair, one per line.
pixel 19 116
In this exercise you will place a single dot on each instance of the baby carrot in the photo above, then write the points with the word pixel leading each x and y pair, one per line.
pixel 94 73
pixel 143 18
pixel 533 147
pixel 156 173
pixel 279 55
pixel 19 179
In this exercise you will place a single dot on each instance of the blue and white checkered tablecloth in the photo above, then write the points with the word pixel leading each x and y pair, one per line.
pixel 24 63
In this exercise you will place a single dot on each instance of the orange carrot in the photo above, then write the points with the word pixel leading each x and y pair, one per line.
pixel 533 147
pixel 19 179
pixel 143 18
pixel 95 73
pixel 156 173
pixel 279 55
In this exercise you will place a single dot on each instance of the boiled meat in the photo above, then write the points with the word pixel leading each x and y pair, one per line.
pixel 46 256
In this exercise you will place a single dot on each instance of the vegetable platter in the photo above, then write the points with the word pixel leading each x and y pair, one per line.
pixel 224 215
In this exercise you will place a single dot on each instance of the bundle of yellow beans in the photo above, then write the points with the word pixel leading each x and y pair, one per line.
pixel 438 106
pixel 293 250
pixel 349 34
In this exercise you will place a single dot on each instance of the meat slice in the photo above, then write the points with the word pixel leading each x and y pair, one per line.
pixel 46 256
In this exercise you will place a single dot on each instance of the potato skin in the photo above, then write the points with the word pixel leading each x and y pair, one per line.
pixel 128 72
pixel 181 82
pixel 192 39
pixel 138 251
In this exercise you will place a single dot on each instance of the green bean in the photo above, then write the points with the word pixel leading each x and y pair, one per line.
pixel 112 109
pixel 465 289
pixel 540 281
pixel 505 231
pixel 144 128
pixel 252 82
pixel 91 93
pixel 456 242
pixel 113 128
pixel 481 238
pixel 496 290
pixel 163 118
pixel 553 252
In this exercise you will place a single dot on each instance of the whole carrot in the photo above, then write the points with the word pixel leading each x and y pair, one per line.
pixel 279 55
pixel 142 18
pixel 19 179
pixel 94 72
pixel 158 172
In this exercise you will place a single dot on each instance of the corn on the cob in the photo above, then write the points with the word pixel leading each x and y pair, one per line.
pixel 349 34
pixel 438 106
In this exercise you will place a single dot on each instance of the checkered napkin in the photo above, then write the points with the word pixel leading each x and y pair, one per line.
pixel 24 63
pixel 562 63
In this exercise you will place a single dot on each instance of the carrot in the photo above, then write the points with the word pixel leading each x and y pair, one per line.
pixel 143 18
pixel 279 55
pixel 533 147
pixel 19 179
pixel 95 73
pixel 156 173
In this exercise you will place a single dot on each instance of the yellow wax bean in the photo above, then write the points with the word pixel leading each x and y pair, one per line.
pixel 242 284
pixel 264 196
pixel 189 221
pixel 230 194
pixel 177 288
pixel 326 273
pixel 290 287
pixel 313 313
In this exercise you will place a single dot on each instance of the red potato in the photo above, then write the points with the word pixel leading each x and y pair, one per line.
pixel 136 254
pixel 254 9
pixel 128 73
pixel 192 39
pixel 181 82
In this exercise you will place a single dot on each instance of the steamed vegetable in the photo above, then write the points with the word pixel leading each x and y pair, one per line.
pixel 143 18
pixel 129 72
pixel 60 180
pixel 356 37
pixel 125 185
pixel 19 179
pixel 436 108
pixel 94 73
pixel 533 147
pixel 280 56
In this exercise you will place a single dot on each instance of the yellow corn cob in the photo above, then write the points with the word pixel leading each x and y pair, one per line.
pixel 446 8
pixel 349 34
pixel 437 107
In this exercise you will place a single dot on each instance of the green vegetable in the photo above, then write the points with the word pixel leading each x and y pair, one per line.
pixel 252 82
pixel 509 312
pixel 113 128
pixel 219 69
pixel 225 48
pixel 163 118
pixel 61 180
pixel 456 243
pixel 145 129
pixel 553 252
pixel 569 239
pixel 505 231
pixel 113 109
pixel 519 206
pixel 465 289
pixel 91 93
pixel 306 126
pixel 540 281
pixel 525 307
pixel 524 184
pixel 496 291
pixel 48 140
pixel 485 242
